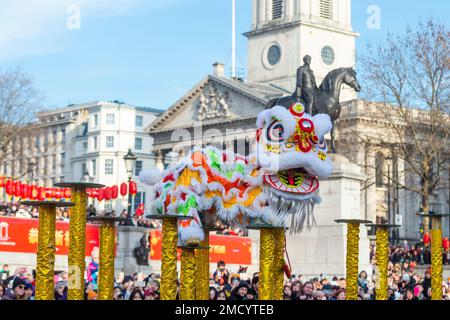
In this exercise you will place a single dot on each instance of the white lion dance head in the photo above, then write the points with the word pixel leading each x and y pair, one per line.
pixel 292 153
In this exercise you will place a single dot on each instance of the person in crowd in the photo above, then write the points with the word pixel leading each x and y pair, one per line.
pixel 212 293
pixel 251 294
pixel 117 293
pixel 136 294
pixel 61 291
pixel 240 292
pixel 91 211
pixel 2 291
pixel 221 275
pixel 29 291
pixel 17 292
pixel 127 287
pixel 221 295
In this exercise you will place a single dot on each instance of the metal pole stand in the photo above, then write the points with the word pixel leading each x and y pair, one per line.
pixel 352 260
pixel 77 236
pixel 45 264
pixel 107 248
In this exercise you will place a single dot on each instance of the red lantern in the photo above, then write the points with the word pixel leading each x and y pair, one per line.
pixel 17 188
pixel 67 193
pixel 94 193
pixel 24 191
pixel 33 192
pixel 58 193
pixel 41 194
pixel 426 238
pixel 133 188
pixel 48 193
pixel 123 189
pixel 115 192
pixel 9 187
pixel 2 182
pixel 445 243
pixel 101 194
pixel 108 193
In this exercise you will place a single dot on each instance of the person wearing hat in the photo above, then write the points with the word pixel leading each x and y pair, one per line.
pixel 29 291
pixel 240 292
pixel 17 292
pixel 61 290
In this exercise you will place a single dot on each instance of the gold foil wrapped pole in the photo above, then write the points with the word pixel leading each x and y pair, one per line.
pixel 188 282
pixel 352 259
pixel 202 269
pixel 169 276
pixel 280 245
pixel 436 253
pixel 46 247
pixel 267 258
pixel 107 248
pixel 382 258
pixel 77 237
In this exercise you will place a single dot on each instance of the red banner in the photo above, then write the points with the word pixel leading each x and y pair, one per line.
pixel 231 249
pixel 21 235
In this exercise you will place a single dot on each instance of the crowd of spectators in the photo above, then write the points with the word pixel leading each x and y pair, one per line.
pixel 404 283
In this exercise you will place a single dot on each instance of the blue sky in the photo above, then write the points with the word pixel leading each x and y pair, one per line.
pixel 149 52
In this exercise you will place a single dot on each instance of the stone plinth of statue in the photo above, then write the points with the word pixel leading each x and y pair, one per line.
pixel 323 248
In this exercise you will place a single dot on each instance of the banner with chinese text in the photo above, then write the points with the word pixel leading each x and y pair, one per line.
pixel 231 249
pixel 21 235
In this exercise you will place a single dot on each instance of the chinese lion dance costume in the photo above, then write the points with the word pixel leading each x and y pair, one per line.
pixel 277 185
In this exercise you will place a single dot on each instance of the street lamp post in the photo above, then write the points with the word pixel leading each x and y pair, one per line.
pixel 130 160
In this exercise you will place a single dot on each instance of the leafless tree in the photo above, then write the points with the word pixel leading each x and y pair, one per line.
pixel 19 100
pixel 409 78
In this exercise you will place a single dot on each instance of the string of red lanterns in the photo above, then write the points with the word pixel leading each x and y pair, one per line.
pixel 33 192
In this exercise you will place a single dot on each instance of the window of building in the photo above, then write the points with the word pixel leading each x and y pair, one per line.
pixel 84 129
pixel 138 199
pixel 138 167
pixel 139 121
pixel 277 9
pixel 63 136
pixel 37 141
pixel 5 168
pixel 95 120
pixel 379 170
pixel 63 159
pixel 327 55
pixel 55 136
pixel 45 166
pixel 54 162
pixel 83 168
pixel 108 206
pixel 85 146
pixel 109 142
pixel 110 118
pixel 326 9
pixel 46 142
pixel 137 143
pixel 94 167
pixel 95 143
pixel 109 167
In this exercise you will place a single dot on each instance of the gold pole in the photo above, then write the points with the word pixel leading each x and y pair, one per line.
pixel 187 278
pixel 106 269
pixel 169 258
pixel 382 254
pixel 46 253
pixel 352 260
pixel 436 259
pixel 202 269
pixel 279 234
pixel 77 244
pixel 266 259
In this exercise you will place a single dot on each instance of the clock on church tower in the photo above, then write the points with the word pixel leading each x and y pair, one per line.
pixel 283 31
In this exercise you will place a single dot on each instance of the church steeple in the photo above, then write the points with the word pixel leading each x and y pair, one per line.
pixel 283 31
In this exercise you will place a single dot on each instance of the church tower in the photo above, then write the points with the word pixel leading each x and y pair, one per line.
pixel 284 31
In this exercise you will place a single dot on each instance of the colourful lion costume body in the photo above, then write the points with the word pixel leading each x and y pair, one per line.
pixel 276 184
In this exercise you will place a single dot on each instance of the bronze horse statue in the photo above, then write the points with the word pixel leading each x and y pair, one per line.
pixel 326 97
